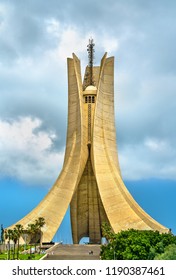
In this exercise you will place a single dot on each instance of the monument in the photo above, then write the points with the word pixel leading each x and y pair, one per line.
pixel 90 180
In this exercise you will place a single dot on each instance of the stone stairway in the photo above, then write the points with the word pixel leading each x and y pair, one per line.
pixel 73 252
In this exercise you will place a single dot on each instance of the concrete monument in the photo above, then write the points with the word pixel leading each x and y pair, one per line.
pixel 90 180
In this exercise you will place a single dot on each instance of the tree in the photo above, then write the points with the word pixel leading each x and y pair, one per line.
pixel 14 238
pixel 136 245
pixel 8 235
pixel 34 230
pixel 2 234
pixel 40 222
pixel 14 235
pixel 169 253
pixel 18 231
pixel 107 232
pixel 31 230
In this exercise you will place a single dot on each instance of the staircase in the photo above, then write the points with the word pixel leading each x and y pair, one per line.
pixel 73 252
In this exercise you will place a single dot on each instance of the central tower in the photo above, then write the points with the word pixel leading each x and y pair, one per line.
pixel 90 180
pixel 87 211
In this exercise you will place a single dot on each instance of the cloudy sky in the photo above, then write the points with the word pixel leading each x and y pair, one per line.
pixel 36 37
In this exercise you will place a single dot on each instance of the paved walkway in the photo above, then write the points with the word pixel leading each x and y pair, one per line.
pixel 74 252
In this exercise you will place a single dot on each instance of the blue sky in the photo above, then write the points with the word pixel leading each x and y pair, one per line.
pixel 36 37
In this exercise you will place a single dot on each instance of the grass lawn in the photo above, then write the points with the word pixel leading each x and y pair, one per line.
pixel 3 256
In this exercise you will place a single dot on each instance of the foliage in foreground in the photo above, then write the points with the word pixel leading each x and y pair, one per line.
pixel 138 245
pixel 32 232
pixel 169 253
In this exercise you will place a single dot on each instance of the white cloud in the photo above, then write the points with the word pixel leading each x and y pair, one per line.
pixel 156 145
pixel 149 158
pixel 110 44
pixel 72 39
pixel 26 151
pixel 53 27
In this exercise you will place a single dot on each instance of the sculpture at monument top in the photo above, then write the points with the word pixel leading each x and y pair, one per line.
pixel 90 180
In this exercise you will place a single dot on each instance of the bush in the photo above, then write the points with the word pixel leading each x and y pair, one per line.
pixel 169 253
pixel 136 245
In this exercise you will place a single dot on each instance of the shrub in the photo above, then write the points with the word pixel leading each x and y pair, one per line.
pixel 136 245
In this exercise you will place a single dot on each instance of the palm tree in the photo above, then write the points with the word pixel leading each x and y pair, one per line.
pixel 40 222
pixel 14 238
pixel 34 230
pixel 18 231
pixel 8 235
pixel 31 230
